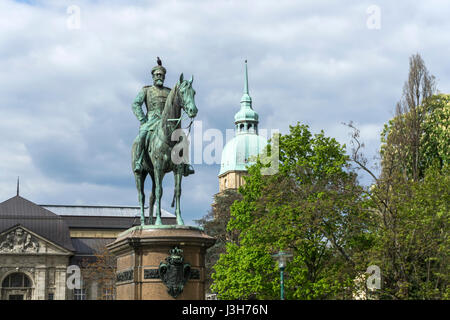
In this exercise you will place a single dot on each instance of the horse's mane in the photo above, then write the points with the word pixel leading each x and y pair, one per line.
pixel 169 101
pixel 171 96
pixel 169 111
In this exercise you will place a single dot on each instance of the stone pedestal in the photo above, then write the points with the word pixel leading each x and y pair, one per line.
pixel 142 250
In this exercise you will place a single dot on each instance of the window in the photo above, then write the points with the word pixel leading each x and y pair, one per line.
pixel 79 294
pixel 51 296
pixel 16 280
pixel 108 293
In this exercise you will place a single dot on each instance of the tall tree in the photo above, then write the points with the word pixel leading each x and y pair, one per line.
pixel 313 207
pixel 434 143
pixel 101 270
pixel 402 136
pixel 215 224
pixel 410 197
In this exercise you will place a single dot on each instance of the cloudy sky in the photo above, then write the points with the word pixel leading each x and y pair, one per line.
pixel 69 71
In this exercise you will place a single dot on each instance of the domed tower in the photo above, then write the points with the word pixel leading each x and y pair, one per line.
pixel 245 146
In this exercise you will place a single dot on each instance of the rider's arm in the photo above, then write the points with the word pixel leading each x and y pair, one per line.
pixel 137 106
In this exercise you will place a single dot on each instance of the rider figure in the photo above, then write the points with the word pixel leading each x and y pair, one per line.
pixel 155 98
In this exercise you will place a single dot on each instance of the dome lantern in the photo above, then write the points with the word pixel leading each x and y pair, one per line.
pixel 246 119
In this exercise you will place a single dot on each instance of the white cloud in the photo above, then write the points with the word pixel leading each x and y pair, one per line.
pixel 66 125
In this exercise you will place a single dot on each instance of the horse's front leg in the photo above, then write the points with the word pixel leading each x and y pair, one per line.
pixel 140 179
pixel 177 177
pixel 158 194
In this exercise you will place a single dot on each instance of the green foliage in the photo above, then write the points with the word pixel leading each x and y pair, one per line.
pixel 412 221
pixel 412 241
pixel 412 194
pixel 215 225
pixel 436 132
pixel 244 272
pixel 433 131
pixel 312 207
pixel 403 137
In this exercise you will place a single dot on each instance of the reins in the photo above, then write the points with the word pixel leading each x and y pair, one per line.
pixel 178 120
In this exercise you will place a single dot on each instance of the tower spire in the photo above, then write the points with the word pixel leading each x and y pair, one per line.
pixel 246 120
pixel 246 79
pixel 17 186
pixel 246 100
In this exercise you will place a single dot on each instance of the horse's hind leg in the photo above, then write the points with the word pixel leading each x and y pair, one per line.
pixel 152 200
pixel 140 180
pixel 177 178
pixel 158 194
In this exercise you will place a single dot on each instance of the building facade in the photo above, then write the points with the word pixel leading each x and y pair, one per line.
pixel 41 244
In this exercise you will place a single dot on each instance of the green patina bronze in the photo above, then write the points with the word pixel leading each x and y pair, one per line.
pixel 174 272
pixel 152 148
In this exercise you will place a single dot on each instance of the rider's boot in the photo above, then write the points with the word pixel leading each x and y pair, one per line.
pixel 138 163
pixel 140 151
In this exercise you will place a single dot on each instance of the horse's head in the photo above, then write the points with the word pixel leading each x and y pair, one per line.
pixel 187 94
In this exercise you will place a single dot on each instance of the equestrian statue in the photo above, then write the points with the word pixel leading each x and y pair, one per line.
pixel 154 151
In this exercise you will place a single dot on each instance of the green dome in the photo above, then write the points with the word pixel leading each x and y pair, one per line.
pixel 238 151
pixel 246 114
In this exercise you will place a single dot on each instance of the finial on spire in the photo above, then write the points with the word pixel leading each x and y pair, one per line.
pixel 17 186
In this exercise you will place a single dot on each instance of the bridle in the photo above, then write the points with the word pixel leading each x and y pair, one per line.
pixel 182 116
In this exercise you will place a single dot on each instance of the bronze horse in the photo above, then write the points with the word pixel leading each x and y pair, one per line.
pixel 157 159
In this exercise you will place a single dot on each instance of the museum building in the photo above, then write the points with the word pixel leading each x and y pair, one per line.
pixel 39 242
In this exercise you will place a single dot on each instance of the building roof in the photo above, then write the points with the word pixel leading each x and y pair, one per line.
pixel 104 222
pixel 20 211
pixel 246 113
pixel 104 217
pixel 100 211
pixel 53 222
pixel 241 151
